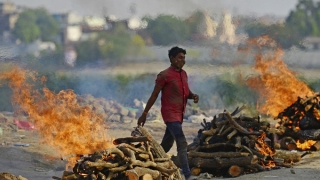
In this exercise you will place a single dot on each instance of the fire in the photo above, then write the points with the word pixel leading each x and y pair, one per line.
pixel 305 145
pixel 277 85
pixel 62 123
pixel 262 146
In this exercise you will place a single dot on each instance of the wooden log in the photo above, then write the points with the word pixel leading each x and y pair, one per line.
pixel 161 159
pixel 209 132
pixel 217 154
pixel 219 163
pixel 195 171
pixel 109 151
pixel 221 130
pixel 128 152
pixel 316 146
pixel 119 169
pixel 239 128
pixel 149 152
pixel 226 131
pixel 129 140
pixel 288 156
pixel 154 165
pixel 132 174
pixel 147 177
pixel 101 175
pixel 137 172
pixel 238 141
pixel 102 164
pixel 288 143
pixel 137 150
pixel 235 171
pixel 234 132
pixel 143 156
pixel 213 146
pixel 158 151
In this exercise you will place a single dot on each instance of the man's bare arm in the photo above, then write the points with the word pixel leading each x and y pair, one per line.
pixel 151 101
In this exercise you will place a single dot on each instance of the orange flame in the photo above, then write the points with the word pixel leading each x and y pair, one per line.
pixel 263 147
pixel 277 85
pixel 61 121
pixel 305 145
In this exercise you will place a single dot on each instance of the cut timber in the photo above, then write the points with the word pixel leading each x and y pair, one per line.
pixel 288 156
pixel 195 171
pixel 235 171
pixel 134 174
pixel 157 149
pixel 147 177
pixel 217 154
pixel 223 162
pixel 129 140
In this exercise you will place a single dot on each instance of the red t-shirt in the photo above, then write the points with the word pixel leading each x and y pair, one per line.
pixel 174 94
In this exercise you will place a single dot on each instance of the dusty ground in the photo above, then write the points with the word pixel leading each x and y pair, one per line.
pixel 39 162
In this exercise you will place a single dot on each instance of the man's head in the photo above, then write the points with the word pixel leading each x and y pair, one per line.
pixel 177 57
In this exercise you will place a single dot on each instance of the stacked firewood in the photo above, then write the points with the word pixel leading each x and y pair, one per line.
pixel 231 146
pixel 134 158
pixel 301 120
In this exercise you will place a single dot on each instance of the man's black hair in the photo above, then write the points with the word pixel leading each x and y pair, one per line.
pixel 176 50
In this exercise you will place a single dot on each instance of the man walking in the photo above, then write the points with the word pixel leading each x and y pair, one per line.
pixel 173 85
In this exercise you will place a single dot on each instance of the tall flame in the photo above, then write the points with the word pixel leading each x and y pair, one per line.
pixel 277 85
pixel 62 123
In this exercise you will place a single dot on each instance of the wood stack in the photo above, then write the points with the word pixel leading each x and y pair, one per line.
pixel 300 121
pixel 232 146
pixel 134 158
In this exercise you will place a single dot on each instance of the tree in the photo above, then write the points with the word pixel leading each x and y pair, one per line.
pixel 35 23
pixel 26 28
pixel 111 47
pixel 166 29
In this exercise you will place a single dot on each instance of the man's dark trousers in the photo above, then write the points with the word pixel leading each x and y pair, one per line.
pixel 174 133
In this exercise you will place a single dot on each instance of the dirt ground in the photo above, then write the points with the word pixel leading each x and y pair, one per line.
pixel 39 162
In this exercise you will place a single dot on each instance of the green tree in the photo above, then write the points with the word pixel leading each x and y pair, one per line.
pixel 111 47
pixel 26 28
pixel 35 23
pixel 166 29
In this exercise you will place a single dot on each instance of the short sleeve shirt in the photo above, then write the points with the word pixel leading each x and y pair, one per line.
pixel 174 94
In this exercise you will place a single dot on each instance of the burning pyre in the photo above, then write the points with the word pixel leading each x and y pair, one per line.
pixel 232 146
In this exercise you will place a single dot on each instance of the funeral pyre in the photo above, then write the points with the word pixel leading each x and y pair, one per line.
pixel 231 146
pixel 298 125
pixel 134 157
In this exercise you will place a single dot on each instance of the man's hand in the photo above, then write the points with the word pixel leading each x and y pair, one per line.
pixel 142 120
pixel 195 98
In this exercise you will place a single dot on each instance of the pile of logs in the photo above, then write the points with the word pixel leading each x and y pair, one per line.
pixel 231 146
pixel 300 121
pixel 134 158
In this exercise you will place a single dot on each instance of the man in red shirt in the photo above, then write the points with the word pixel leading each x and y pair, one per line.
pixel 173 84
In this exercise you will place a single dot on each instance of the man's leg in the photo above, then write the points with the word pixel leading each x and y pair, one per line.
pixel 167 140
pixel 176 130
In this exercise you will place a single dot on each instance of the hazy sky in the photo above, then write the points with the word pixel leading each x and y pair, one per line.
pixel 120 8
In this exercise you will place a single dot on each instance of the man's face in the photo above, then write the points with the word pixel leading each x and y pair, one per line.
pixel 178 61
